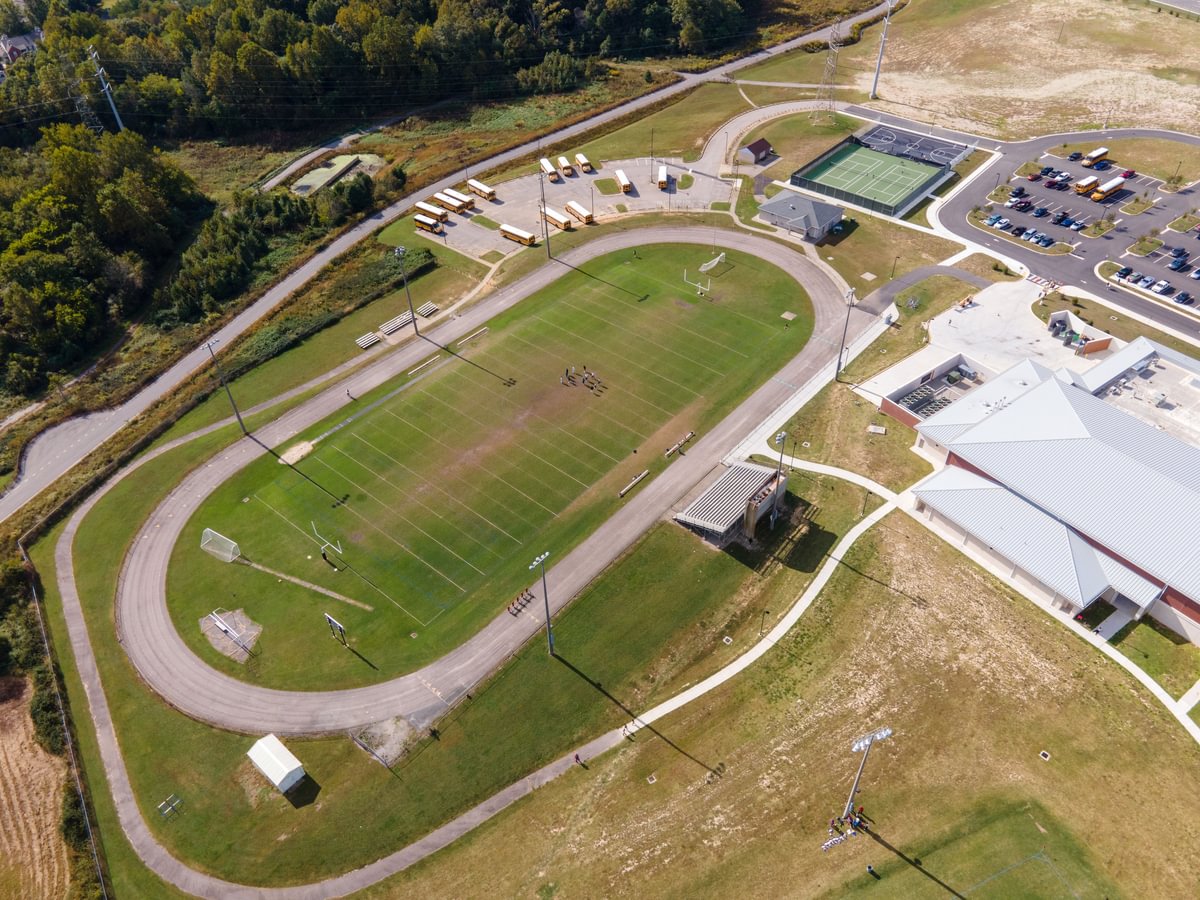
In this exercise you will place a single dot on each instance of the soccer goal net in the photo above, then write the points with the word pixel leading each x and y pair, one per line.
pixel 712 263
pixel 219 546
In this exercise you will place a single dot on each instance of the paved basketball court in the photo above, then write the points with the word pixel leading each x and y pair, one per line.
pixel 923 148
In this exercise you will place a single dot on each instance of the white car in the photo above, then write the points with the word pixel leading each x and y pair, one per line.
pixel 1195 274
pixel 1002 224
pixel 1162 287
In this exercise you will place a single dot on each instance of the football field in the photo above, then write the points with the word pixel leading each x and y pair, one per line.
pixel 442 489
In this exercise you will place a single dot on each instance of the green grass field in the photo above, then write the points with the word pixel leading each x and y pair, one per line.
pixel 441 494
pixel 1166 657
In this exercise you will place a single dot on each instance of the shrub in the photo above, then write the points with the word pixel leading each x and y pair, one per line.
pixel 47 718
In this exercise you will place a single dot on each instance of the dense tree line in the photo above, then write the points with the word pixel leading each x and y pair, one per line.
pixel 231 66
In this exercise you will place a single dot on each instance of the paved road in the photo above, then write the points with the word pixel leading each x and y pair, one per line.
pixel 59 449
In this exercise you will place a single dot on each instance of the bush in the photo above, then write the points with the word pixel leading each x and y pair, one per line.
pixel 72 823
pixel 47 718
pixel 5 655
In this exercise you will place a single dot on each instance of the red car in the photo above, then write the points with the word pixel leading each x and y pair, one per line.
pixel 1036 176
pixel 1128 173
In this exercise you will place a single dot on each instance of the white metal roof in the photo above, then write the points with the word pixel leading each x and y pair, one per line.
pixel 1128 486
pixel 724 502
pixel 273 759
pixel 978 403
pixel 1038 543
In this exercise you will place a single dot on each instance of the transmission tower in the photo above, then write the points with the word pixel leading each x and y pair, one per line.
pixel 105 87
pixel 825 101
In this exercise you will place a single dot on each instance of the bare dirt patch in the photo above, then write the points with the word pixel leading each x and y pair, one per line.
pixel 33 857
pixel 238 642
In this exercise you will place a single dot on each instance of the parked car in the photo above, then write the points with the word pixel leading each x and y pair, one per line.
pixel 1183 297
pixel 1040 211
pixel 1058 217
pixel 1045 241
pixel 1018 191
pixel 1163 287
pixel 992 219
pixel 1178 252
pixel 1063 177
pixel 1048 170
pixel 1018 231
pixel 1034 176
pixel 1023 205
pixel 1075 156
pixel 1067 222
pixel 1195 274
pixel 1011 202
pixel 1135 277
pixel 1129 173
pixel 1078 225
pixel 1123 271
pixel 1178 263
pixel 1147 281
pixel 1032 235
pixel 1001 223
pixel 1102 166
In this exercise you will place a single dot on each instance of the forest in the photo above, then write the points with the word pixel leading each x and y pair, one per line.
pixel 228 67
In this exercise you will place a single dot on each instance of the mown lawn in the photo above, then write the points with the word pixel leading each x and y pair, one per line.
pixel 1169 659
pixel 872 251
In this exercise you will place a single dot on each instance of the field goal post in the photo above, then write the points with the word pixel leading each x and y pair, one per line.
pixel 713 263
pixel 701 289
pixel 219 546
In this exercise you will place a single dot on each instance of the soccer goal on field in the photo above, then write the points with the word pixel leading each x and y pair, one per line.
pixel 712 263
pixel 219 546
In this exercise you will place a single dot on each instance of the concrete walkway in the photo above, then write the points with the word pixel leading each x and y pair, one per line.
pixel 1110 626
pixel 1190 699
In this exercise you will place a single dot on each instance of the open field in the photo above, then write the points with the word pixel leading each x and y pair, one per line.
pixel 965 65
pixel 798 140
pixel 222 168
pixel 974 680
pixel 33 857
pixel 1166 657
pixel 1148 156
pixel 442 493
pixel 985 266
pixel 640 652
pixel 872 251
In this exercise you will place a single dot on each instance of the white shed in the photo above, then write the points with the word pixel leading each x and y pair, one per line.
pixel 277 762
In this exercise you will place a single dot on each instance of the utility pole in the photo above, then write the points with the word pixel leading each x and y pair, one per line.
pixel 400 253
pixel 105 87
pixel 225 384
pixel 864 744
pixel 541 561
pixel 545 224
pixel 887 20
pixel 850 301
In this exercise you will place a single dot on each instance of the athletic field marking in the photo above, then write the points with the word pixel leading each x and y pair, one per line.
pixel 499 478
pixel 340 474
pixel 543 460
pixel 491 476
pixel 436 487
pixel 309 537
pixel 432 359
pixel 391 483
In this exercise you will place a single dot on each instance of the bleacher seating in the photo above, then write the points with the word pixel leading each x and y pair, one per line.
pixel 426 310
pixel 396 324
pixel 370 339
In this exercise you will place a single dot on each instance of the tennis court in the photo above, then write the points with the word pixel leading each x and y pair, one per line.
pixel 888 180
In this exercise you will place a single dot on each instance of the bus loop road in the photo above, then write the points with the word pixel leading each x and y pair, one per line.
pixel 166 663
pixel 57 450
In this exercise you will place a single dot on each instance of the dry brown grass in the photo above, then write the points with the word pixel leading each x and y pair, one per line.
pixel 33 857
pixel 975 683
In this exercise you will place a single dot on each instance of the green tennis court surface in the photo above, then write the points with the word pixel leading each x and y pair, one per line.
pixel 871 174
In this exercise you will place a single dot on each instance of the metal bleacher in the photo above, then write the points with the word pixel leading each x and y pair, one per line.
pixel 392 325
pixel 427 309
pixel 370 339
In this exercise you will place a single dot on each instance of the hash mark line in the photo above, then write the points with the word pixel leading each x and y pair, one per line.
pixel 499 478
pixel 424 505
pixel 638 397
pixel 544 460
pixel 437 488
pixel 404 518
pixel 309 537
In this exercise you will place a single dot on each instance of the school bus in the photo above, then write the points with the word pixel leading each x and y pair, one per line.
pixel 1094 157
pixel 433 212
pixel 579 211
pixel 1086 185
pixel 583 163
pixel 663 180
pixel 1109 188
pixel 623 181
pixel 447 202
pixel 555 218
pixel 517 234
pixel 548 169
pixel 428 223
pixel 481 189
pixel 465 199
pixel 564 166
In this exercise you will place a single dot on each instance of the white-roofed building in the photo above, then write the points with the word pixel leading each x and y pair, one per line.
pixel 738 499
pixel 277 763
pixel 1075 493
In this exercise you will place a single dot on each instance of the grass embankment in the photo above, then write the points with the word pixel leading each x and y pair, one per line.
pixel 798 140
pixel 437 491
pixel 871 251
pixel 974 680
pixel 688 598
pixel 221 168
pixel 1168 658
pixel 985 266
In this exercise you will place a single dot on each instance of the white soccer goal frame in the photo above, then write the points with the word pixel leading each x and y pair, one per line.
pixel 216 544
pixel 712 264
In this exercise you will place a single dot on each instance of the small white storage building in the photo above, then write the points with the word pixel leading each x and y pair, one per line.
pixel 277 762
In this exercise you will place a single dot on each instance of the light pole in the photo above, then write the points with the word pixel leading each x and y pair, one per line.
pixel 592 197
pixel 850 302
pixel 652 154
pixel 1178 166
pixel 864 744
pixel 887 20
pixel 780 442
pixel 545 224
pixel 541 561
pixel 896 261
pixel 400 253
pixel 221 375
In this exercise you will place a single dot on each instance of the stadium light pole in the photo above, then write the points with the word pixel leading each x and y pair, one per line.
pixel 400 253
pixel 225 384
pixel 887 20
pixel 545 224
pixel 780 442
pixel 541 561
pixel 850 303
pixel 864 744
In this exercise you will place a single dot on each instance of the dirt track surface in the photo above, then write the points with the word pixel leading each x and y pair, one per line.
pixel 33 857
